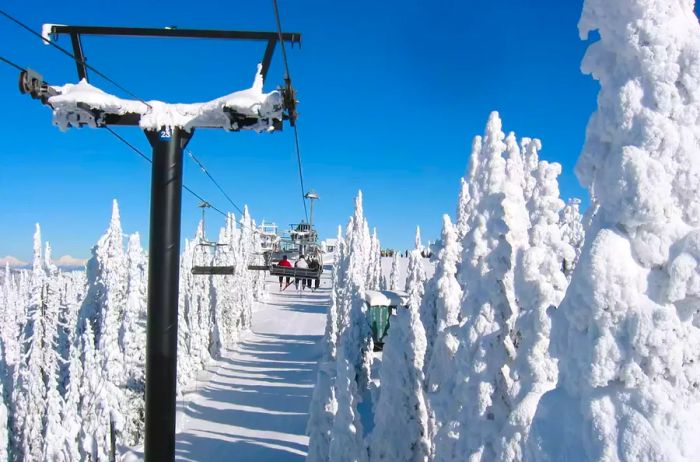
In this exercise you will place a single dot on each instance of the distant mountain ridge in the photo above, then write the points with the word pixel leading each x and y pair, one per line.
pixel 66 262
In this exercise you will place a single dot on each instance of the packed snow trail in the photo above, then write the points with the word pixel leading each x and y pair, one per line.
pixel 253 405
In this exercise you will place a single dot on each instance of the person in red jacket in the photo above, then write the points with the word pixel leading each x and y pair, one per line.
pixel 285 263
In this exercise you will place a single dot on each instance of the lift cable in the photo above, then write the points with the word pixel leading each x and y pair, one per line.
pixel 71 55
pixel 15 65
pixel 288 80
pixel 206 172
pixel 148 159
pixel 184 186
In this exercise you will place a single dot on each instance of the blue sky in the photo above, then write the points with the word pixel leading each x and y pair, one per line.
pixel 391 94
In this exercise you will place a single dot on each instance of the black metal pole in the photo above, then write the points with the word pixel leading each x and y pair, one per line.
pixel 163 288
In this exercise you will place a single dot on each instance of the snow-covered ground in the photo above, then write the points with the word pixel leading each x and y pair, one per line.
pixel 253 403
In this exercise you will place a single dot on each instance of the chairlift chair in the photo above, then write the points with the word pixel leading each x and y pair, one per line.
pixel 202 260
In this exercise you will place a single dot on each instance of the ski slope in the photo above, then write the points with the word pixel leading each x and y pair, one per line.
pixel 253 403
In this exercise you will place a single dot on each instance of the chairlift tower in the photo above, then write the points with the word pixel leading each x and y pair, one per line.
pixel 312 196
pixel 168 143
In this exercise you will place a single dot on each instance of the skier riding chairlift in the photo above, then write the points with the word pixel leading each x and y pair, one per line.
pixel 314 265
pixel 284 263
pixel 301 263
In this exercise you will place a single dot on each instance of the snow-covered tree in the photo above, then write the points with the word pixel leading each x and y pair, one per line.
pixel 383 282
pixel 354 352
pixel 133 341
pixel 12 317
pixel 94 406
pixel 394 283
pixel 447 299
pixel 542 287
pixel 497 233
pixel 415 278
pixel 448 288
pixel 53 431
pixel 401 418
pixel 464 205
pixel 4 430
pixel 29 395
pixel 54 434
pixel 415 287
pixel 347 359
pixel 322 414
pixel 72 419
pixel 67 393
pixel 572 232
pixel 330 337
pixel 5 416
pixel 626 334
pixel 374 274
pixel 104 309
pixel 347 441
pixel 354 334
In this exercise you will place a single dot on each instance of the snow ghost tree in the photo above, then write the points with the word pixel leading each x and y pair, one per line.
pixel 401 419
pixel 464 205
pixel 627 334
pixel 30 394
pixel 394 283
pixel 572 232
pixel 447 296
pixel 448 289
pixel 541 284
pixel 66 393
pixel 323 402
pixel 354 352
pixel 497 233
pixel 374 275
pixel 344 371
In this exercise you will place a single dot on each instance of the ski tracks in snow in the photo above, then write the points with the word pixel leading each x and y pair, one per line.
pixel 253 404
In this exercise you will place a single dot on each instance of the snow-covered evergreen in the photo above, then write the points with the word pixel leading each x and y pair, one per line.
pixel 29 394
pixel 489 303
pixel 344 374
pixel 401 432
pixel 572 232
pixel 394 283
pixel 375 263
pixel 499 270
pixel 626 334
pixel 542 284
pixel 73 344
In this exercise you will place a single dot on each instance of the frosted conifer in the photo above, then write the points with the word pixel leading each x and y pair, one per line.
pixel 30 394
pixel 496 231
pixel 401 418
pixel 394 283
pixel 572 232
pixel 625 334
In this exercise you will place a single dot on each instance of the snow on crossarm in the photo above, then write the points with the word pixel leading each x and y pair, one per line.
pixel 84 104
